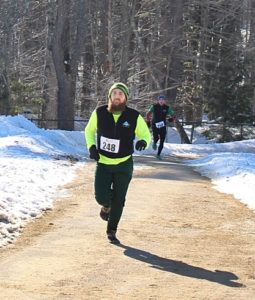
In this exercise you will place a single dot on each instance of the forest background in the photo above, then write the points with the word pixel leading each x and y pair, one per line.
pixel 59 57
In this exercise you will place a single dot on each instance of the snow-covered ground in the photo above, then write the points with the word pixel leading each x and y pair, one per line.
pixel 35 164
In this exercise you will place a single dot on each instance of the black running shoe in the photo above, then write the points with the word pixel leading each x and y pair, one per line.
pixel 111 235
pixel 104 213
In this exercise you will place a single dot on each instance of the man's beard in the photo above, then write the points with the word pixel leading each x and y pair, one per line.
pixel 116 107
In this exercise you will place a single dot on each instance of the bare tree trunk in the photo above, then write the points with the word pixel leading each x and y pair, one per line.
pixel 49 109
pixel 145 55
pixel 61 59
pixel 5 105
pixel 174 66
pixel 251 45
pixel 5 108
pixel 66 51
pixel 109 35
pixel 126 30
pixel 182 133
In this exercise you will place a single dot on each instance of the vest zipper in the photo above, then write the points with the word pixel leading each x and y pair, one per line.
pixel 115 127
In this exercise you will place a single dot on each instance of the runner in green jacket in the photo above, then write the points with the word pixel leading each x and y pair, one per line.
pixel 157 115
pixel 110 135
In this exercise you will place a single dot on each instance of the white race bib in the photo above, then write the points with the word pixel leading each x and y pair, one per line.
pixel 160 124
pixel 109 145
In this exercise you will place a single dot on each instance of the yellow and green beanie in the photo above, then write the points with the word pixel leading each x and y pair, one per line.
pixel 121 86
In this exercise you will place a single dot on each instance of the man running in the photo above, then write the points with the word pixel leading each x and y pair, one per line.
pixel 110 135
pixel 157 115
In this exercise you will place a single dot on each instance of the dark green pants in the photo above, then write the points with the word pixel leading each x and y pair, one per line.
pixel 111 185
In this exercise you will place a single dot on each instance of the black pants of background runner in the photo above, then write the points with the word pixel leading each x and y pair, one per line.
pixel 159 134
pixel 111 185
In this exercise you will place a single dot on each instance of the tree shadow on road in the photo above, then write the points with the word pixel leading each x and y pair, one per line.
pixel 170 168
pixel 181 268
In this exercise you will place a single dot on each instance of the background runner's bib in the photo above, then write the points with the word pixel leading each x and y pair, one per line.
pixel 109 145
pixel 160 124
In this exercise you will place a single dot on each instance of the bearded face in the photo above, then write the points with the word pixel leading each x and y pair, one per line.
pixel 112 107
pixel 117 101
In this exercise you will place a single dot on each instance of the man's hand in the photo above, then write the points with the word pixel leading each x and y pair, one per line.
pixel 93 153
pixel 172 119
pixel 140 145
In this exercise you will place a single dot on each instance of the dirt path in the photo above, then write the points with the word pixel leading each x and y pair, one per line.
pixel 181 239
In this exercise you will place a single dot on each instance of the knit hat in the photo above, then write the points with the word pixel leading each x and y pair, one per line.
pixel 161 97
pixel 121 86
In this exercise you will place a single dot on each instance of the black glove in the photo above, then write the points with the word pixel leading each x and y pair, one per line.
pixel 93 153
pixel 140 145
